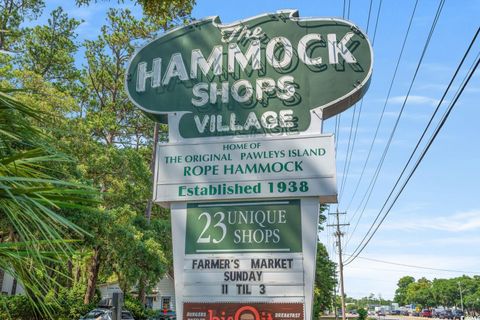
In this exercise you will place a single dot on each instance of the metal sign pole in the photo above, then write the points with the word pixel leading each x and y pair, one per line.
pixel 117 303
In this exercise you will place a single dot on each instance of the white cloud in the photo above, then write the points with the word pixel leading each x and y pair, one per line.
pixel 432 86
pixel 473 89
pixel 457 222
pixel 412 99
pixel 472 241
pixel 437 68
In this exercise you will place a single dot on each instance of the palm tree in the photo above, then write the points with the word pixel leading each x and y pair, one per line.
pixel 34 236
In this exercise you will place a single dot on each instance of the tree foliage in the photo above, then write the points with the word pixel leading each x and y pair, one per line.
pixel 12 14
pixel 325 280
pixel 110 117
pixel 401 292
pixel 48 50
pixel 165 13
pixel 101 140
pixel 441 292
pixel 325 273
pixel 33 233
pixel 362 314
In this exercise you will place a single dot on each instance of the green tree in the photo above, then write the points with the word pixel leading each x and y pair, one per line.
pixel 110 116
pixel 117 136
pixel 325 280
pixel 362 314
pixel 109 140
pixel 49 50
pixel 163 12
pixel 401 292
pixel 136 249
pixel 33 234
pixel 12 14
pixel 420 292
pixel 444 292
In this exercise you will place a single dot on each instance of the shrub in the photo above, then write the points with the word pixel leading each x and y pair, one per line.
pixel 362 314
pixel 138 311
pixel 66 304
pixel 71 303
pixel 16 308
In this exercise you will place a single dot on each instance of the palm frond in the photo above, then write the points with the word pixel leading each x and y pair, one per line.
pixel 31 202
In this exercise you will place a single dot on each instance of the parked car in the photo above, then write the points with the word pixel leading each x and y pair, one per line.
pixel 381 313
pixel 457 314
pixel 437 313
pixel 105 314
pixel 426 313
pixel 405 313
pixel 447 314
pixel 395 312
pixel 415 314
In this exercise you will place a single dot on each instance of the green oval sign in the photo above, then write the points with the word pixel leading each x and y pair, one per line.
pixel 267 74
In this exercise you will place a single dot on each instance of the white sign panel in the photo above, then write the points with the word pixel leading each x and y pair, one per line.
pixel 227 255
pixel 251 275
pixel 253 168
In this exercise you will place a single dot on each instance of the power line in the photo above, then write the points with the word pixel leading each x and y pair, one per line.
pixel 419 160
pixel 432 117
pixel 384 105
pixel 417 163
pixel 379 122
pixel 373 182
pixel 337 132
pixel 379 213
pixel 415 266
pixel 348 157
pixel 376 21
pixel 348 12
pixel 345 172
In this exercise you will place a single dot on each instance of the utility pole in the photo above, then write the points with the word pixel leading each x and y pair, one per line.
pixel 339 235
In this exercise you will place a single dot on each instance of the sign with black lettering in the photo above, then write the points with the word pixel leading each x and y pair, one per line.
pixel 238 252
pixel 244 250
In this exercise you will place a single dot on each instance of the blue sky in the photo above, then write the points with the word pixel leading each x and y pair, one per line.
pixel 436 221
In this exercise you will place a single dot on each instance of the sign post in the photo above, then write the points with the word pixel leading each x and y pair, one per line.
pixel 246 167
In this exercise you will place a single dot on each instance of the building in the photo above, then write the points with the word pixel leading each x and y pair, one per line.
pixel 9 285
pixel 162 296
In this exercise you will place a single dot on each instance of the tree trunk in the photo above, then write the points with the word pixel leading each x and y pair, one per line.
pixel 78 273
pixel 122 283
pixel 141 290
pixel 69 273
pixel 93 269
pixel 148 211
